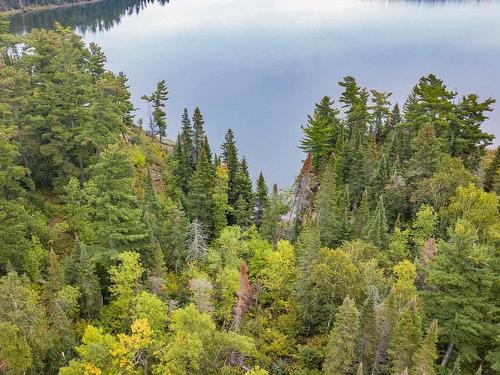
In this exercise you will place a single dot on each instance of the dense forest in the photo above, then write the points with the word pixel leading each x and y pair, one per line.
pixel 122 252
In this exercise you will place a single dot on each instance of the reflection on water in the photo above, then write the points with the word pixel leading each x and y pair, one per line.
pixel 98 16
pixel 105 14
pixel 258 66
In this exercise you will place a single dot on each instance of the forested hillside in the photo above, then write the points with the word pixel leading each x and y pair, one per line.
pixel 124 253
pixel 30 4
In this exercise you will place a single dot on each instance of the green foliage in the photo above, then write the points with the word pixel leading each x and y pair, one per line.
pixel 322 133
pixel 340 351
pixel 113 227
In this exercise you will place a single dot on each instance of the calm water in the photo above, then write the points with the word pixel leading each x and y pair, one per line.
pixel 258 66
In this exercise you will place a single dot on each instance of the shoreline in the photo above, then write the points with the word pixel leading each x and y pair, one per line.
pixel 34 9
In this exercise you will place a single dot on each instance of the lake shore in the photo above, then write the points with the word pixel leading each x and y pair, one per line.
pixel 40 8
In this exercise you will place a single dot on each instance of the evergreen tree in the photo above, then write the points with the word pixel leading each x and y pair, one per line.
pixel 199 199
pixel 118 219
pixel 334 216
pixel 361 216
pixel 394 118
pixel 183 153
pixel 355 102
pixel 426 155
pixel 243 208
pixel 379 180
pixel 454 281
pixel 321 133
pixel 492 171
pixel 157 101
pixel 86 280
pixel 220 198
pixel 340 351
pixel 261 200
pixel 197 242
pixel 368 333
pixel 270 227
pixel 96 61
pixel 377 231
pixel 175 228
pixel 14 218
pixel 380 114
pixel 426 355
pixel 405 338
pixel 230 158
pixel 199 133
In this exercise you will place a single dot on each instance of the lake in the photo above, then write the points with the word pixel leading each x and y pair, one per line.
pixel 258 66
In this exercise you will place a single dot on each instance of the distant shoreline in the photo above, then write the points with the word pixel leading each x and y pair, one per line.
pixel 40 8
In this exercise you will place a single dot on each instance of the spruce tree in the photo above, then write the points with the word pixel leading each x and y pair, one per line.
pixel 261 200
pixel 174 236
pixel 199 133
pixel 230 158
pixel 340 351
pixel 220 198
pixel 426 155
pixel 361 216
pixel 379 180
pixel 425 357
pixel 199 199
pixel 243 187
pixel 377 231
pixel 368 333
pixel 405 338
pixel 86 280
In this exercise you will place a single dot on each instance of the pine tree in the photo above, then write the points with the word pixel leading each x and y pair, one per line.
pixel 157 100
pixel 355 102
pixel 230 158
pixel 380 114
pixel 492 171
pixel 405 338
pixel 199 133
pixel 14 218
pixel 340 351
pixel 377 231
pixel 261 200
pixel 199 199
pixel 118 219
pixel 96 61
pixel 425 357
pixel 321 133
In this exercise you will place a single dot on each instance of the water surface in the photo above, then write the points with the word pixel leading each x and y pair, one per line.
pixel 258 66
